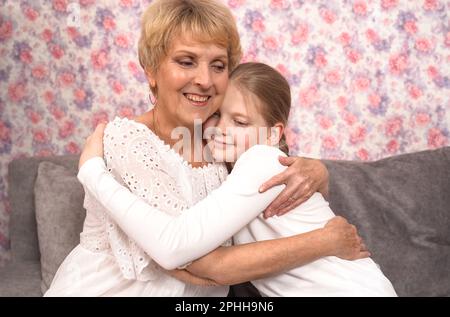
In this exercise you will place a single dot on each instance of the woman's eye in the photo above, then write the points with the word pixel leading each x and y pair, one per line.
pixel 219 67
pixel 186 63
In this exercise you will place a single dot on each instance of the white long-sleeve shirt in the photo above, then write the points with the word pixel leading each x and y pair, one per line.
pixel 234 209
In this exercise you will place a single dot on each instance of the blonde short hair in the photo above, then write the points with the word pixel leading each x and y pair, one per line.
pixel 208 21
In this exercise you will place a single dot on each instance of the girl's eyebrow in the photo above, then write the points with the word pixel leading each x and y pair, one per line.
pixel 238 114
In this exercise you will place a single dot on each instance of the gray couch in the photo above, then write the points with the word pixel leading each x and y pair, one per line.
pixel 400 204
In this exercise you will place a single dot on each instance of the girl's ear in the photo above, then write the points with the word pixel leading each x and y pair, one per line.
pixel 275 133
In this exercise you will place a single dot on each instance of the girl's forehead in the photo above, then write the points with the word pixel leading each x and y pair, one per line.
pixel 234 99
pixel 248 101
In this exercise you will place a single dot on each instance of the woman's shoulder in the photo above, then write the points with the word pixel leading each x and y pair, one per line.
pixel 120 125
pixel 123 131
pixel 129 140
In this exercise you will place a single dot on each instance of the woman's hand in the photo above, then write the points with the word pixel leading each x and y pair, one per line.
pixel 93 146
pixel 303 178
pixel 190 278
pixel 345 241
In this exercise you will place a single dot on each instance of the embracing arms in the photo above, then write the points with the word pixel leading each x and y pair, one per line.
pixel 173 241
pixel 241 263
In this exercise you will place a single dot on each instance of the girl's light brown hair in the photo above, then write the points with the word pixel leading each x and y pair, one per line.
pixel 271 90
pixel 206 21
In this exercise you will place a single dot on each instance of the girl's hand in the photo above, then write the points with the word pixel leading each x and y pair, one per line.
pixel 93 146
pixel 303 178
pixel 345 242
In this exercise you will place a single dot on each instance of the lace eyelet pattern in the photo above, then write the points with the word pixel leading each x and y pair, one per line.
pixel 141 161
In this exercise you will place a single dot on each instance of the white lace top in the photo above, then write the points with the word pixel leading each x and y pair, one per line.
pixel 141 161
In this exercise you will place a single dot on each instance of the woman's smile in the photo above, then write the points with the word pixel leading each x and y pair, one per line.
pixel 197 100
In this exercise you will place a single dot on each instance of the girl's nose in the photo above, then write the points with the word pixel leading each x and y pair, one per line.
pixel 221 127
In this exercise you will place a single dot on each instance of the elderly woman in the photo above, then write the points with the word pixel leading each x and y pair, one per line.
pixel 187 49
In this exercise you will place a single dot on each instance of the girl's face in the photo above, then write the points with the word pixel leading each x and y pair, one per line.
pixel 191 81
pixel 238 126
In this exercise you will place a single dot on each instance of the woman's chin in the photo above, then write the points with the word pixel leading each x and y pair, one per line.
pixel 199 113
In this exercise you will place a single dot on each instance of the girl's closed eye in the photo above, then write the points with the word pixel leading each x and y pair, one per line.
pixel 240 123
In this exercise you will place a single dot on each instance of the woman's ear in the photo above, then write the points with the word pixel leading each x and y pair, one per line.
pixel 151 78
pixel 275 133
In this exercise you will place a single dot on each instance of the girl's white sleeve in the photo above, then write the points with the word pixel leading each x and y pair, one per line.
pixel 173 241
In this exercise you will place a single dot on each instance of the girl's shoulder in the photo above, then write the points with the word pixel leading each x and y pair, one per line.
pixel 262 148
pixel 260 154
pixel 256 165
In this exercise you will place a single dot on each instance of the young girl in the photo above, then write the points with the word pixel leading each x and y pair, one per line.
pixel 257 97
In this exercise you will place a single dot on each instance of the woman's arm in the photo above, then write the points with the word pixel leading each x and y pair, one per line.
pixel 190 278
pixel 237 264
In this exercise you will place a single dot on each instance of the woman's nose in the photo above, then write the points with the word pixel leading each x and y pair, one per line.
pixel 203 77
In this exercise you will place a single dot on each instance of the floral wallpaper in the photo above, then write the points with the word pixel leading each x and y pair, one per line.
pixel 369 79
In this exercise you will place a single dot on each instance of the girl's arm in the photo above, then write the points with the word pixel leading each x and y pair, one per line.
pixel 173 241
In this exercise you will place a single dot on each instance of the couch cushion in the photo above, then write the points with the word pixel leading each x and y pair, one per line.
pixel 20 278
pixel 22 173
pixel 59 215
pixel 401 206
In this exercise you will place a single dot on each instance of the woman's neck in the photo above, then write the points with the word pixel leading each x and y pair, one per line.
pixel 162 126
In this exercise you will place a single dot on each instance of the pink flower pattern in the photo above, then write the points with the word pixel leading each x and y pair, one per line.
pixel 369 78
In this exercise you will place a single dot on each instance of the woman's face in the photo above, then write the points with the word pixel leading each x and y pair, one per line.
pixel 239 126
pixel 191 81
